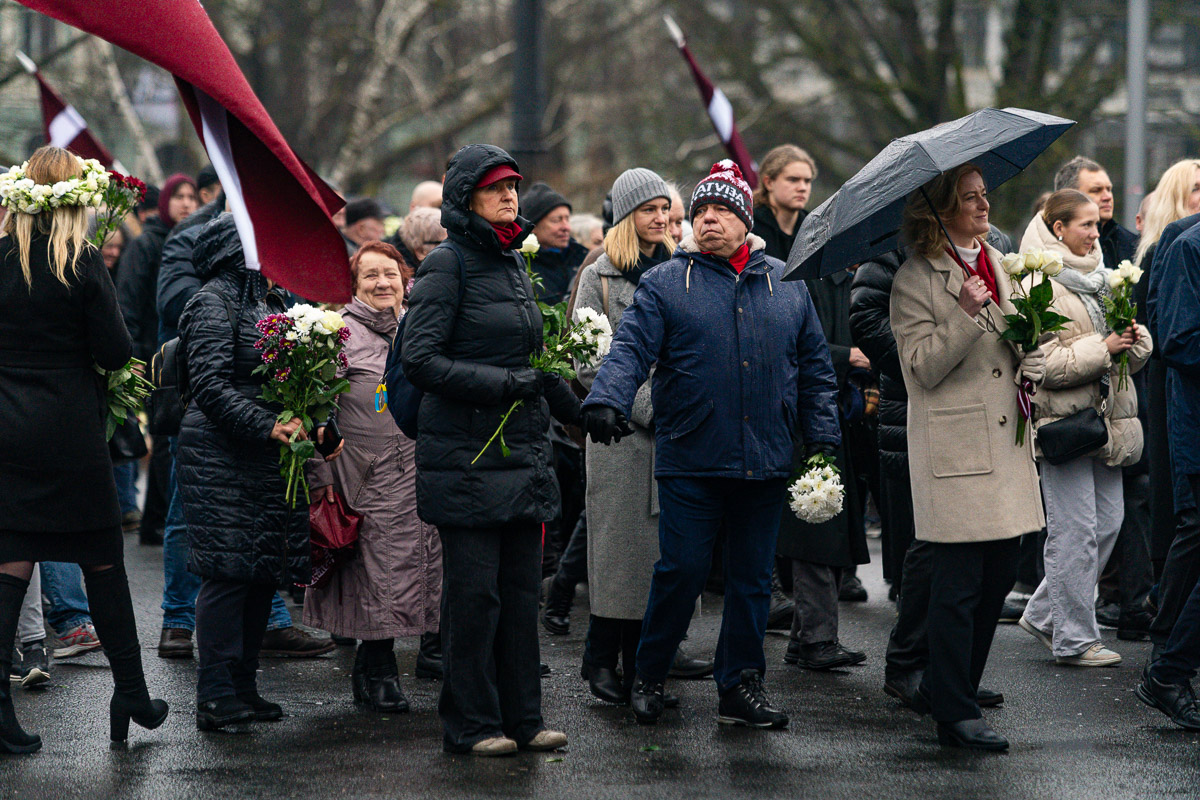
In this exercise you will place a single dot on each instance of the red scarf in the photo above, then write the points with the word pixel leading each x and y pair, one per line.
pixel 739 259
pixel 506 232
pixel 983 268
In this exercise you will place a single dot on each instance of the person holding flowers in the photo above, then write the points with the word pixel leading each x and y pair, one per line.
pixel 974 489
pixel 1084 363
pixel 61 321
pixel 470 333
pixel 246 540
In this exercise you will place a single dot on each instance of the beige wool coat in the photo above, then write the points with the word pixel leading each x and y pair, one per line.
pixel 971 482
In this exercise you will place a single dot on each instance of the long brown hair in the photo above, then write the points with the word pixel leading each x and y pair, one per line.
pixel 776 161
pixel 922 228
pixel 65 226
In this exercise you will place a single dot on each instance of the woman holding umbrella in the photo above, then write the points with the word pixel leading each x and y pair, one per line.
pixel 974 491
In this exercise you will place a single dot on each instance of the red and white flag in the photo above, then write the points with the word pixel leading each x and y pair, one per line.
pixel 63 125
pixel 720 110
pixel 282 208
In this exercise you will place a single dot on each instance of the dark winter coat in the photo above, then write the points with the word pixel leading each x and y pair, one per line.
pixel 177 277
pixel 1176 312
pixel 871 331
pixel 1117 243
pixel 557 270
pixel 227 466
pixel 465 357
pixel 766 227
pixel 54 462
pixel 742 361
pixel 137 286
pixel 842 541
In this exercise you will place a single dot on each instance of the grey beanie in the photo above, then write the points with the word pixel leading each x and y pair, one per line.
pixel 634 187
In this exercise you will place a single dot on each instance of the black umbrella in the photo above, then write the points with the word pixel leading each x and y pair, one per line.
pixel 862 219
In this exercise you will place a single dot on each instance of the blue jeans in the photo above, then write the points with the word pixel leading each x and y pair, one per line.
pixel 693 510
pixel 62 585
pixel 180 586
pixel 126 477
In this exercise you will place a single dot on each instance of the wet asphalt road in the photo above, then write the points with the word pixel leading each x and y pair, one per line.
pixel 1075 733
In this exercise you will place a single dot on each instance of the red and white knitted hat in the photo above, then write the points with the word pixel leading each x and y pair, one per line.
pixel 726 186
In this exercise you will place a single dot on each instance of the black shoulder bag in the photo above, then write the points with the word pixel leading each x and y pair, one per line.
pixel 1077 435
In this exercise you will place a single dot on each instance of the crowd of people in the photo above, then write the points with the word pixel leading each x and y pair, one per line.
pixel 654 475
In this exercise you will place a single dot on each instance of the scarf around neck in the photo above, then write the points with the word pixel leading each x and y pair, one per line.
pixel 645 263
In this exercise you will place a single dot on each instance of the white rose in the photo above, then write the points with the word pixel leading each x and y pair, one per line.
pixel 61 188
pixel 1136 275
pixel 530 246
pixel 1052 264
pixel 333 321
pixel 1033 260
pixel 1115 280
pixel 30 208
pixel 1013 264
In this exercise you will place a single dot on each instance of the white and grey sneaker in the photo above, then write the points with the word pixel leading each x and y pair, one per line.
pixel 1037 633
pixel 30 666
pixel 1095 656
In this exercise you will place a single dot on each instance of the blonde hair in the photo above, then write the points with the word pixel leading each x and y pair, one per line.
pixel 65 226
pixel 922 227
pixel 1168 204
pixel 774 162
pixel 622 244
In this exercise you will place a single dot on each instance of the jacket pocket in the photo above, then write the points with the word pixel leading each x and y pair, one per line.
pixel 688 421
pixel 959 441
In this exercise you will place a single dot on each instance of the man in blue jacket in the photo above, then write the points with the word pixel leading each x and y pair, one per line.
pixel 1175 311
pixel 741 361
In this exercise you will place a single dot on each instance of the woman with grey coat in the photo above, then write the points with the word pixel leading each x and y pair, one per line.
pixel 622 500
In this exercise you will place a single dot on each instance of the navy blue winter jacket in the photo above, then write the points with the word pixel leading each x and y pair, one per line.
pixel 1175 287
pixel 742 362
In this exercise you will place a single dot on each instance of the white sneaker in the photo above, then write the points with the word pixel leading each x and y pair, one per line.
pixel 1095 656
pixel 1036 633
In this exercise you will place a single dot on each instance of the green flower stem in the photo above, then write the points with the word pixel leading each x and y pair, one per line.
pixel 499 430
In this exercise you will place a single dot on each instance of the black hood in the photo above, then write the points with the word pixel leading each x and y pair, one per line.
pixel 218 248
pixel 463 172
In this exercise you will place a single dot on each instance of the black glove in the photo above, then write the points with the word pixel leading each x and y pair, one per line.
pixel 605 425
pixel 523 384
pixel 812 448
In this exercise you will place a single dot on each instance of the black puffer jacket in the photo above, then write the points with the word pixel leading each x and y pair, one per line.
pixel 137 287
pixel 227 466
pixel 871 329
pixel 468 358
pixel 177 278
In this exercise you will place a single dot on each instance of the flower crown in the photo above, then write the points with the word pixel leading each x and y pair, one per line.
pixel 20 193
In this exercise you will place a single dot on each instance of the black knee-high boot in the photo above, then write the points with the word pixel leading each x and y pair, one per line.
pixel 112 614
pixel 13 739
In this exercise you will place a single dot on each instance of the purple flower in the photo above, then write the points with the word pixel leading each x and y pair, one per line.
pixel 343 361
pixel 343 334
pixel 283 374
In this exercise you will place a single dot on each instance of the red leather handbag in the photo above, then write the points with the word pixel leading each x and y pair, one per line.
pixel 334 532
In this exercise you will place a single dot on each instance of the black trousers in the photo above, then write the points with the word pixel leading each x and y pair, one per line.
pixel 1129 574
pixel 1158 458
pixel 967 587
pixel 896 512
pixel 610 639
pixel 908 649
pixel 1181 652
pixel 572 567
pixel 231 618
pixel 158 479
pixel 1180 572
pixel 492 680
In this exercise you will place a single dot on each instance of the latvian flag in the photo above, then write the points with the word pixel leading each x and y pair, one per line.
pixel 281 207
pixel 62 124
pixel 720 110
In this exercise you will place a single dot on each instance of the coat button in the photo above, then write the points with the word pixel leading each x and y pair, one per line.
pixel 740 311
pixel 1003 420
pixel 745 363
pixel 749 473
pixel 996 373
pixel 746 418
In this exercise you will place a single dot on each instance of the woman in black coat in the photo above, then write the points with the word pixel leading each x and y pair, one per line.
pixel 60 501
pixel 245 540
pixel 470 330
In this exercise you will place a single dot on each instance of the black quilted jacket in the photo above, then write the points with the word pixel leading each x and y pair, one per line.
pixel 463 355
pixel 227 467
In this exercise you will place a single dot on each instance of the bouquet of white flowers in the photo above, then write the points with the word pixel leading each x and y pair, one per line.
pixel 1119 309
pixel 816 495
pixel 301 351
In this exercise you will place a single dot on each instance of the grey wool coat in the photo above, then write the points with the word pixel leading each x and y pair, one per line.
pixel 393 585
pixel 622 496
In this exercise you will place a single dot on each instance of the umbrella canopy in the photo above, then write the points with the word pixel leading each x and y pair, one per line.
pixel 862 219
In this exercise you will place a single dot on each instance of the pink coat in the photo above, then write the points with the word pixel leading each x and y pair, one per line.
pixel 393 585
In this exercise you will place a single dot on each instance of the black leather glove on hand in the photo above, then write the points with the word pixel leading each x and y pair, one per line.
pixel 812 448
pixel 605 425
pixel 523 384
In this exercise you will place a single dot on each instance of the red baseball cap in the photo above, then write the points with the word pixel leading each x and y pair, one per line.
pixel 497 173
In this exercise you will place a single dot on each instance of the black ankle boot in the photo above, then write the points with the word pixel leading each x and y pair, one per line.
pixel 556 617
pixel 358 675
pixel 112 614
pixel 13 738
pixel 381 683
pixel 429 657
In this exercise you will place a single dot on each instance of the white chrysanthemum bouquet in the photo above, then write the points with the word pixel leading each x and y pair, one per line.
pixel 1119 309
pixel 816 495
pixel 301 352
pixel 586 338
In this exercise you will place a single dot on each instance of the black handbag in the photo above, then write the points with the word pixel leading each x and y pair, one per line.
pixel 169 398
pixel 1077 435
pixel 127 442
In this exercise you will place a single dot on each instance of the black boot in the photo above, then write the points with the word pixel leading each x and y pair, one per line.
pixel 358 675
pixel 383 678
pixel 429 657
pixel 13 739
pixel 112 614
pixel 779 618
pixel 556 617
